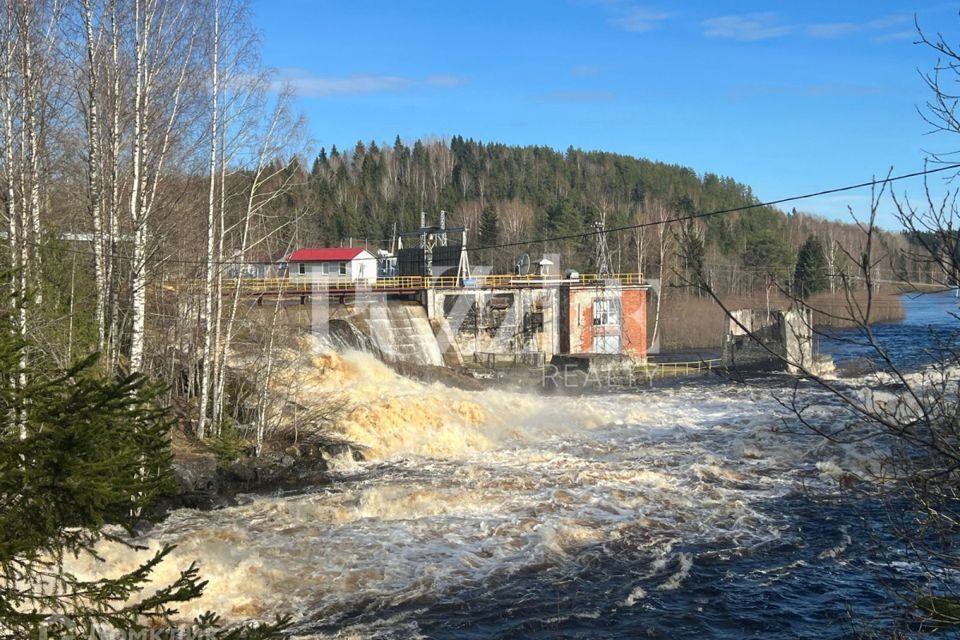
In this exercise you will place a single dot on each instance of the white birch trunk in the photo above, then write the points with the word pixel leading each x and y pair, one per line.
pixel 113 207
pixel 101 240
pixel 13 211
pixel 206 355
pixel 219 355
pixel 146 185
pixel 138 266
pixel 251 208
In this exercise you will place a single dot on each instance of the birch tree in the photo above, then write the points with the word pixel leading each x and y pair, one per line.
pixel 164 37
pixel 94 171
pixel 210 304
pixel 28 95
pixel 245 137
pixel 257 198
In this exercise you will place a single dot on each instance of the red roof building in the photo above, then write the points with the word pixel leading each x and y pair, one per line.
pixel 335 254
pixel 334 263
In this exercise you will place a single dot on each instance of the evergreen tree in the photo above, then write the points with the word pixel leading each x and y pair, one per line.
pixel 810 275
pixel 359 153
pixel 563 217
pixel 489 226
pixel 692 252
pixel 78 453
pixel 769 255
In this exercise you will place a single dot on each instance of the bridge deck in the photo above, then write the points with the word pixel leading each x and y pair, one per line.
pixel 302 286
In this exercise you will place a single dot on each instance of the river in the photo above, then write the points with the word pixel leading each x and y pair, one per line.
pixel 696 511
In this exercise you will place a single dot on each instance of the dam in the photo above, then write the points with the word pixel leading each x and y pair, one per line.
pixel 421 303
pixel 451 322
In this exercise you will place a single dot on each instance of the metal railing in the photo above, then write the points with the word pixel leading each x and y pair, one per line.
pixel 304 285
pixel 676 369
pixel 491 360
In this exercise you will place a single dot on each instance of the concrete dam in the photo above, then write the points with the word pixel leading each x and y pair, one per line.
pixel 396 331
pixel 524 322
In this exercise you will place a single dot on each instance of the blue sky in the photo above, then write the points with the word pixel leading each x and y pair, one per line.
pixel 786 97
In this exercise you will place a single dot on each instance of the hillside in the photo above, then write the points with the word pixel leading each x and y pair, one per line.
pixel 508 194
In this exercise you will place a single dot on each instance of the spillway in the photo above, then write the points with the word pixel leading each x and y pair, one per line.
pixel 396 331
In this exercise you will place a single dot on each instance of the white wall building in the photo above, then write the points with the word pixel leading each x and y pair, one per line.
pixel 334 264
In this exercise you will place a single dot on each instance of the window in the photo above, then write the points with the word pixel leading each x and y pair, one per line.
pixel 302 268
pixel 606 344
pixel 606 312
pixel 343 268
pixel 533 322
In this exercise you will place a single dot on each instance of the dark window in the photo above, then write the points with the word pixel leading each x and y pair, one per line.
pixel 303 268
pixel 343 268
pixel 533 322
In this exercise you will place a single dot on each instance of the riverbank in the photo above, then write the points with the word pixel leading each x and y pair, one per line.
pixel 204 480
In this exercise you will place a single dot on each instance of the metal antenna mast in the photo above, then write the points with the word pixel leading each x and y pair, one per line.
pixel 603 253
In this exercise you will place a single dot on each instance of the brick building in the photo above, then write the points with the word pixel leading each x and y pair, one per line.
pixel 611 320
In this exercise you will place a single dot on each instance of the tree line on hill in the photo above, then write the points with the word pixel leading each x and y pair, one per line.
pixel 510 194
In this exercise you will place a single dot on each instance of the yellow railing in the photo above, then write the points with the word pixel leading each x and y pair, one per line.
pixel 301 284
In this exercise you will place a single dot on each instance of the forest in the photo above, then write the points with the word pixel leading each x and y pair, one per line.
pixel 146 149
pixel 508 195
pixel 147 156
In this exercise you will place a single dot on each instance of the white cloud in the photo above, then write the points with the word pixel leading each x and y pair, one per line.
pixel 632 17
pixel 840 29
pixel 444 80
pixel 888 21
pixel 640 20
pixel 808 90
pixel 586 70
pixel 306 83
pixel 748 28
pixel 832 29
pixel 897 36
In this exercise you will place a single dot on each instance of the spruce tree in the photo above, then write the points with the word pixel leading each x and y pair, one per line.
pixel 810 275
pixel 489 227
pixel 79 453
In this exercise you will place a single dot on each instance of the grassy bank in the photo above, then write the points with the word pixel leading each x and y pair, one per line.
pixel 691 322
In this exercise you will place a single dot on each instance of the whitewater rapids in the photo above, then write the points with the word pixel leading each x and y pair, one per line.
pixel 474 491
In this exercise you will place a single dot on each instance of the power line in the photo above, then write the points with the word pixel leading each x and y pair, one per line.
pixel 587 234
pixel 697 216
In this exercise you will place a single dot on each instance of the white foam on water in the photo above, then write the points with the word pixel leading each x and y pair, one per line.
pixel 685 562
pixel 463 489
pixel 636 595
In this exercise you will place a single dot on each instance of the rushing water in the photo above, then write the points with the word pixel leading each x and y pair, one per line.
pixel 686 512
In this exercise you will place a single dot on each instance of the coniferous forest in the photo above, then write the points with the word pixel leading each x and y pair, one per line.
pixel 508 195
